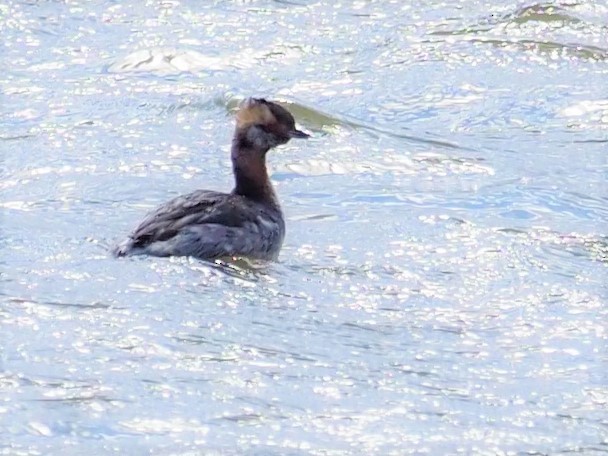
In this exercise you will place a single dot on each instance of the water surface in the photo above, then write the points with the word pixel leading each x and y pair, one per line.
pixel 442 288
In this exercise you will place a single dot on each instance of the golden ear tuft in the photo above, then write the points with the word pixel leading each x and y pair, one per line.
pixel 254 113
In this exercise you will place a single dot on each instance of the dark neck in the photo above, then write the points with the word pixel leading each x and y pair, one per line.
pixel 250 173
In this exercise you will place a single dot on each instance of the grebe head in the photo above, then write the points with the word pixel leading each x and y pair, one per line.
pixel 264 124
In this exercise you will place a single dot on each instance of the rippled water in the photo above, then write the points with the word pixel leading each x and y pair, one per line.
pixel 443 286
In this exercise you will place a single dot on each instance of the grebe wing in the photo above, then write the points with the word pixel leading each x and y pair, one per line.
pixel 197 208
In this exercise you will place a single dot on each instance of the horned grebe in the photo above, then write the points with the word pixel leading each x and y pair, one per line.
pixel 247 222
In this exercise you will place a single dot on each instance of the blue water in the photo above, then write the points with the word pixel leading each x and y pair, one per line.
pixel 443 284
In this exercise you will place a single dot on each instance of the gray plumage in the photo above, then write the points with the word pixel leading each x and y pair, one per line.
pixel 207 224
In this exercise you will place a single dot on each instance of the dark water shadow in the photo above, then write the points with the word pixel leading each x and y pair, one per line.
pixel 320 122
